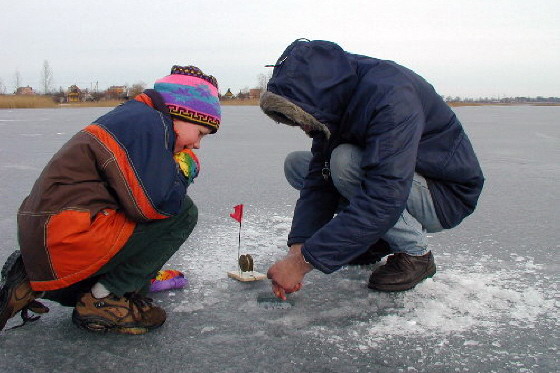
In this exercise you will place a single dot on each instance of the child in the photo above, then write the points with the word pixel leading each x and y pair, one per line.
pixel 110 209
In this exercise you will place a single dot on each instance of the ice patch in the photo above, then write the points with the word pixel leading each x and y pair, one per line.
pixel 471 293
pixel 456 300
pixel 20 167
pixel 262 237
pixel 206 329
pixel 189 307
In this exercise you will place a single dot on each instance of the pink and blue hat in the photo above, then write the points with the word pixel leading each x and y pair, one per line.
pixel 191 96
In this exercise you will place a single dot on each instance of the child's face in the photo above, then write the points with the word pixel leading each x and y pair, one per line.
pixel 188 134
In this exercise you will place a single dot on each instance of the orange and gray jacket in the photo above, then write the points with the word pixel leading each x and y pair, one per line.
pixel 84 206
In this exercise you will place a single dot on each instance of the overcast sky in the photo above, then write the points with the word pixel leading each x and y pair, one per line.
pixel 467 48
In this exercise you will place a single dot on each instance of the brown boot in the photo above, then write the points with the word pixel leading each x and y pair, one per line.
pixel 402 272
pixel 130 314
pixel 15 292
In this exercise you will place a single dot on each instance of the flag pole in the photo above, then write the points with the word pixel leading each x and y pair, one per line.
pixel 238 215
pixel 239 247
pixel 247 259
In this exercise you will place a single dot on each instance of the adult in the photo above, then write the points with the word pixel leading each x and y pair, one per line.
pixel 389 161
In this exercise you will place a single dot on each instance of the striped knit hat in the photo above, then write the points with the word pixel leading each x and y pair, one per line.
pixel 191 96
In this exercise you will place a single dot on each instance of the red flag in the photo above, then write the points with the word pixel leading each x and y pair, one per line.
pixel 238 214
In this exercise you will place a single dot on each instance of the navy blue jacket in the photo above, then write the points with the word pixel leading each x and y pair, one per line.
pixel 402 125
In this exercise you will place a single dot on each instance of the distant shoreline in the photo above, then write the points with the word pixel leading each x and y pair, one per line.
pixel 41 102
pixel 456 104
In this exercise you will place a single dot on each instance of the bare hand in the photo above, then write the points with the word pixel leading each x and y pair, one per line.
pixel 287 274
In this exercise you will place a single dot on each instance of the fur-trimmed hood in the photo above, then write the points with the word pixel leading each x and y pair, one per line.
pixel 282 110
pixel 310 86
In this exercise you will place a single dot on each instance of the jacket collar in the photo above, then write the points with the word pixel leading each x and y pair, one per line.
pixel 153 99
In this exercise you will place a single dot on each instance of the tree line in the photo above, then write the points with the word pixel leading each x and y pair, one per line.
pixel 124 92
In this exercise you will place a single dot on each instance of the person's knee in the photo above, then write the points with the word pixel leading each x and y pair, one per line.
pixel 345 166
pixel 187 222
pixel 192 212
pixel 289 164
pixel 187 218
pixel 339 163
pixel 421 206
pixel 296 165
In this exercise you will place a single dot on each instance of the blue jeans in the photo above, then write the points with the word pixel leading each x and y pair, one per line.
pixel 408 235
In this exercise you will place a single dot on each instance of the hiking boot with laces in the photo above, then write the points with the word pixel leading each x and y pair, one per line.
pixel 130 314
pixel 402 272
pixel 374 254
pixel 15 292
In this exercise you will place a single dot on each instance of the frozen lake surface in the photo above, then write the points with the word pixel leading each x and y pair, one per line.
pixel 493 305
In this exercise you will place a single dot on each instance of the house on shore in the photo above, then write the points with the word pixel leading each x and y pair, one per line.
pixel 74 94
pixel 255 93
pixel 228 95
pixel 26 91
pixel 117 92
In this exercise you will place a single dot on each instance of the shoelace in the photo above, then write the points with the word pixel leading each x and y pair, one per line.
pixel 138 302
pixel 33 306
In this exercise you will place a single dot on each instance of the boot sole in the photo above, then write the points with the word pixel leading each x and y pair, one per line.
pixel 102 326
pixel 12 272
pixel 403 287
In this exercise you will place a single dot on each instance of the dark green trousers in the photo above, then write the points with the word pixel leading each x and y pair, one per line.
pixel 146 251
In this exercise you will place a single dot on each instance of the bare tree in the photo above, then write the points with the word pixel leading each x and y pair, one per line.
pixel 17 80
pixel 243 93
pixel 136 89
pixel 2 88
pixel 262 80
pixel 46 77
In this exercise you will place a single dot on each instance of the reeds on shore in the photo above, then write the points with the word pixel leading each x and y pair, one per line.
pixel 37 101
pixel 21 102
pixel 104 103
pixel 240 102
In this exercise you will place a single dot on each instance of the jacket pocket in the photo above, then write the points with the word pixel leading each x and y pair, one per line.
pixel 78 246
